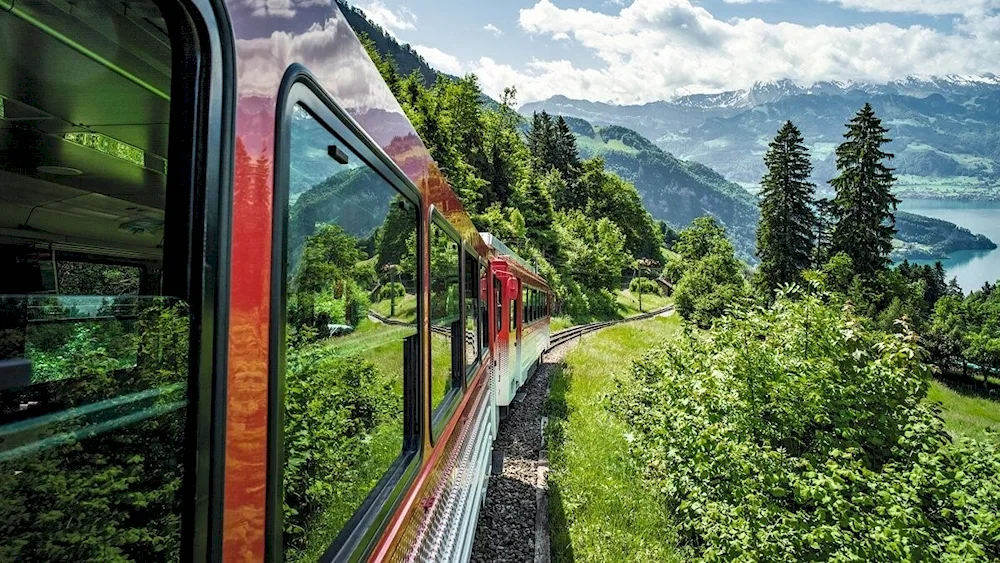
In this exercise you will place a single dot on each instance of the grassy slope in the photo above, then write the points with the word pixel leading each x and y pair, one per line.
pixel 598 510
pixel 965 415
pixel 627 306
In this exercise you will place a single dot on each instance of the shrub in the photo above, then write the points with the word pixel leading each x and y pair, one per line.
pixel 391 291
pixel 644 285
pixel 334 406
pixel 793 433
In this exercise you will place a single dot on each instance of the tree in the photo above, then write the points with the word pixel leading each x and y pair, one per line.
pixel 540 141
pixel 709 277
pixel 787 222
pixel 864 207
pixel 565 157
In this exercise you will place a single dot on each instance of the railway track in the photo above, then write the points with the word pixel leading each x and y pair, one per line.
pixel 513 524
pixel 564 336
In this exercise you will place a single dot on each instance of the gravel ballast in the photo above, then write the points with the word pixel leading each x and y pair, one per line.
pixel 506 529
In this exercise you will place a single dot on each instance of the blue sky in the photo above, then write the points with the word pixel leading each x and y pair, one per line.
pixel 632 51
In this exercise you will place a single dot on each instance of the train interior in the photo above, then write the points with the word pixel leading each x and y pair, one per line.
pixel 93 359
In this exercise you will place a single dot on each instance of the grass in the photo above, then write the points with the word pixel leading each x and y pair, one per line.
pixel 406 308
pixel 628 303
pixel 599 508
pixel 966 415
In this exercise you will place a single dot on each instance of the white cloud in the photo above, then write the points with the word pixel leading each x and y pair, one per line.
pixel 655 49
pixel 439 59
pixel 399 20
pixel 748 1
pixel 929 7
pixel 496 31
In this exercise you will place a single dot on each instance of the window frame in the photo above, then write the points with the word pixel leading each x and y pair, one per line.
pixel 360 533
pixel 470 256
pixel 449 403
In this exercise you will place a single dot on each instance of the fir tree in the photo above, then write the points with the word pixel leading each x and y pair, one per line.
pixel 864 207
pixel 825 221
pixel 787 223
pixel 541 142
pixel 565 157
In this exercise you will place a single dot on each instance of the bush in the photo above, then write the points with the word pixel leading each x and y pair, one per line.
pixel 335 409
pixel 793 433
pixel 644 285
pixel 394 290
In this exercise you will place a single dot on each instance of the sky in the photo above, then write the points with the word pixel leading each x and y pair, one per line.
pixel 637 51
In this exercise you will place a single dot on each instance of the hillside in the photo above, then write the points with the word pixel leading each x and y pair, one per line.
pixel 920 237
pixel 673 190
pixel 407 60
pixel 946 131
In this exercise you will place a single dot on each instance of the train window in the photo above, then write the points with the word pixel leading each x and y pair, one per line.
pixel 93 367
pixel 471 341
pixel 498 302
pixel 349 305
pixel 513 315
pixel 445 320
pixel 484 323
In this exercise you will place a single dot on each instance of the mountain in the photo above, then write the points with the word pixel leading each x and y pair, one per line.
pixel 673 190
pixel 407 60
pixel 946 130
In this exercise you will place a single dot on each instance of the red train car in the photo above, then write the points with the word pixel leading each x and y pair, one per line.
pixel 243 317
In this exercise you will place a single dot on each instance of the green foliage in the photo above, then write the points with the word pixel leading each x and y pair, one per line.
pixel 77 492
pixel 709 278
pixel 394 290
pixel 787 222
pixel 334 408
pixel 864 207
pixel 966 330
pixel 644 285
pixel 596 254
pixel 793 433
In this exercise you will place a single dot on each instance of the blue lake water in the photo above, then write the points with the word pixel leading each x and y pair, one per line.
pixel 971 267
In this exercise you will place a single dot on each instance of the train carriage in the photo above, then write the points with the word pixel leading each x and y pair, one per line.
pixel 243 315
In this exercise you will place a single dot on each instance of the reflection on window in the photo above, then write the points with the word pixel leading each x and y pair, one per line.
pixel 445 322
pixel 351 303
pixel 484 323
pixel 92 419
pixel 471 311
pixel 93 367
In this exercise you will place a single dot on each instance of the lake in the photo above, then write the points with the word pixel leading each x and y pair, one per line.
pixel 971 267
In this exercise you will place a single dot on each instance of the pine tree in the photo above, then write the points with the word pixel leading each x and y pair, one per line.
pixel 864 207
pixel 825 221
pixel 787 223
pixel 565 157
pixel 541 142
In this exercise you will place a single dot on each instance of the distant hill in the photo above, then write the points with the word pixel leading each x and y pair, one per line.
pixel 673 190
pixel 945 130
pixel 920 237
pixel 407 60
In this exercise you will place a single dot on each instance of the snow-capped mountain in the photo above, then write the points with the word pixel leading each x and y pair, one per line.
pixel 946 129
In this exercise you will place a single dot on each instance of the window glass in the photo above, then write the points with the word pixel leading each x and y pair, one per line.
pixel 445 320
pixel 471 342
pixel 350 305
pixel 498 301
pixel 93 371
pixel 484 324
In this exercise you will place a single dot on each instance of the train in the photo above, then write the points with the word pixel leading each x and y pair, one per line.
pixel 243 315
